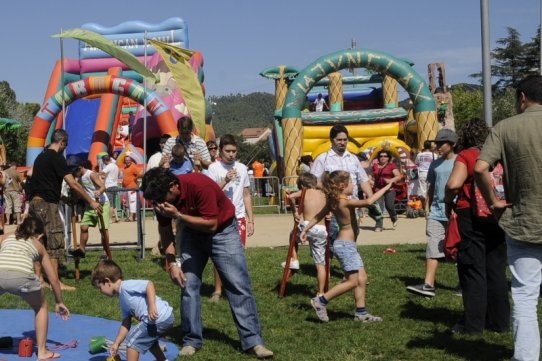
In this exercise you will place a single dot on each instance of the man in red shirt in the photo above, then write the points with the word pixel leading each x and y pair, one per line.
pixel 209 229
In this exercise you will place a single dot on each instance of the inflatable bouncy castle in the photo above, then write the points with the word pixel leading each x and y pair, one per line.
pixel 101 101
pixel 367 105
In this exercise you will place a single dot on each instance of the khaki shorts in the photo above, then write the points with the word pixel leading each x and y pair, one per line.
pixel 13 201
pixel 435 232
pixel 49 214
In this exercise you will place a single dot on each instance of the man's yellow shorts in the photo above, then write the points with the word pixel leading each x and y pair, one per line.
pixel 90 217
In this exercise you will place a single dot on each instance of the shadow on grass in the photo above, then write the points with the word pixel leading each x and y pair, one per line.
pixel 175 334
pixel 436 315
pixel 293 289
pixel 473 348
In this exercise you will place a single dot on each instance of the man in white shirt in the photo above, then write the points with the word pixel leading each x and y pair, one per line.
pixel 423 161
pixel 111 175
pixel 339 158
pixel 232 177
pixel 320 103
pixel 154 160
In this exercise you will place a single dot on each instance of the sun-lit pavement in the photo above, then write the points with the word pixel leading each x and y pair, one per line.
pixel 273 231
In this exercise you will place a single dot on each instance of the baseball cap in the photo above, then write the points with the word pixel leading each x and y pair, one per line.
pixel 446 135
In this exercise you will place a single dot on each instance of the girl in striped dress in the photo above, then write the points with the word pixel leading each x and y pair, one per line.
pixel 17 256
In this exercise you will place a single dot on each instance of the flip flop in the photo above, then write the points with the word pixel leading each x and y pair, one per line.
pixel 54 356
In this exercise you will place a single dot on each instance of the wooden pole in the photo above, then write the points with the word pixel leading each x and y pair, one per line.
pixel 105 236
pixel 287 273
pixel 75 244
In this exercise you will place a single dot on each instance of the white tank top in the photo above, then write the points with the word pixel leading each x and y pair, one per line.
pixel 90 188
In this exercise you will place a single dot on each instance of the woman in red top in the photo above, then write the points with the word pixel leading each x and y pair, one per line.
pixel 385 171
pixel 481 259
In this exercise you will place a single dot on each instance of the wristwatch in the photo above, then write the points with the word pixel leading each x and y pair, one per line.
pixel 177 263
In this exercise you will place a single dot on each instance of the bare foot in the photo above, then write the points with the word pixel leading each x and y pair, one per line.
pixel 65 287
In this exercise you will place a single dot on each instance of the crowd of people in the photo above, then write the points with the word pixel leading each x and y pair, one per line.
pixel 485 178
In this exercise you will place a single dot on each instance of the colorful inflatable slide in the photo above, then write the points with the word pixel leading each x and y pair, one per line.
pixel 104 98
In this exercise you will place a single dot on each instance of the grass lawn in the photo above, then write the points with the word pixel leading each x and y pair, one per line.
pixel 414 327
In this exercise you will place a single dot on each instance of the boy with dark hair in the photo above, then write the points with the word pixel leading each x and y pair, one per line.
pixel 232 177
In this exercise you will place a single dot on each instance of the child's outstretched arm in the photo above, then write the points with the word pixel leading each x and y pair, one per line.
pixel 151 301
pixel 356 203
pixel 60 307
pixel 121 335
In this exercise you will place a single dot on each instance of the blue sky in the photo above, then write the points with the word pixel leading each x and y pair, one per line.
pixel 238 39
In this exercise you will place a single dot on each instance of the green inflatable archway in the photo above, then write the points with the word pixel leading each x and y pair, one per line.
pixel 424 103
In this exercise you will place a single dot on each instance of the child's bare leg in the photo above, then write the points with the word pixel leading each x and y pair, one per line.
pixel 321 277
pixel 157 352
pixel 294 253
pixel 343 287
pixel 83 239
pixel 132 354
pixel 38 302
pixel 359 291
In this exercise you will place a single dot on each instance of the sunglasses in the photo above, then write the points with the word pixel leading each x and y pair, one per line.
pixel 213 148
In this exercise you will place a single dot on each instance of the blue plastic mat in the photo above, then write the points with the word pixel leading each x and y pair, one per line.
pixel 19 324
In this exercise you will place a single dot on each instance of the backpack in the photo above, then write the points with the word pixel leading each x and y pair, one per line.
pixel 479 206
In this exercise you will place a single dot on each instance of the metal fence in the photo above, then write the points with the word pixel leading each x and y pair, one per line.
pixel 121 206
pixel 288 184
pixel 265 192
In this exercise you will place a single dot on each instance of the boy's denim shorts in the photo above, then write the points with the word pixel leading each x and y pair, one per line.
pixel 348 255
pixel 143 336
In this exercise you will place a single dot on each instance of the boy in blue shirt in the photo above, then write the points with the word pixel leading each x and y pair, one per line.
pixel 179 163
pixel 137 299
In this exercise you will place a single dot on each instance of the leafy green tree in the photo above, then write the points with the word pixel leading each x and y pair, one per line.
pixel 233 113
pixel 468 104
pixel 16 139
pixel 504 105
pixel 532 54
pixel 509 60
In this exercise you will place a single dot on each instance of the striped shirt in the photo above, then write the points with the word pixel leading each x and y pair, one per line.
pixel 196 145
pixel 18 255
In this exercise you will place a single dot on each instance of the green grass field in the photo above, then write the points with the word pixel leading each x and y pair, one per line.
pixel 414 327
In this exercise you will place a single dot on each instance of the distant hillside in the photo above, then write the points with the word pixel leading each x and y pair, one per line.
pixel 232 113
pixel 467 86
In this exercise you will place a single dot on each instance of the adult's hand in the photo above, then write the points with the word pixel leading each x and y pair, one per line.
pixel 499 207
pixel 166 209
pixel 177 276
pixel 96 206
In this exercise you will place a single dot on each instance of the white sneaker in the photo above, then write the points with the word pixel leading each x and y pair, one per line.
pixel 293 264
